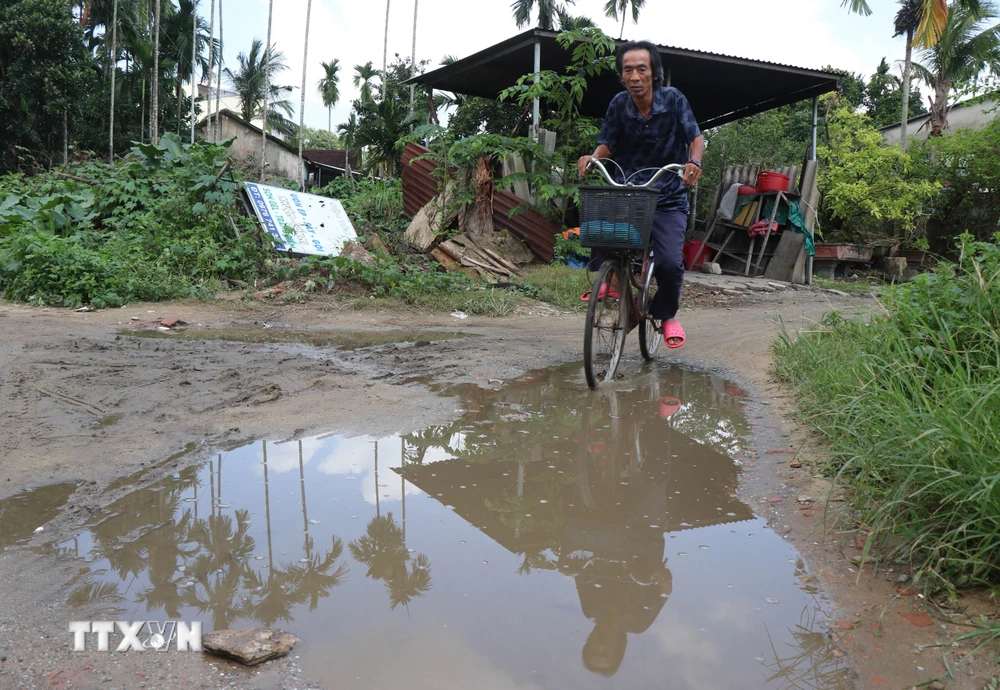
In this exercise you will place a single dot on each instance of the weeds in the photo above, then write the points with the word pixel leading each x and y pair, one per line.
pixel 909 402
pixel 560 285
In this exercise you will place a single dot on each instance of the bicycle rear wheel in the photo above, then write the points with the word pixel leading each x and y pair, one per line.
pixel 649 328
pixel 607 324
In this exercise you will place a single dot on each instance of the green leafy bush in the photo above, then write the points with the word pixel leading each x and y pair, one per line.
pixel 909 401
pixel 157 225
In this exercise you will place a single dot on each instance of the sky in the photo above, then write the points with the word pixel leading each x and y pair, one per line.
pixel 804 33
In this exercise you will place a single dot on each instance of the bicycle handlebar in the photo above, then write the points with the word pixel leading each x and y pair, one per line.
pixel 676 168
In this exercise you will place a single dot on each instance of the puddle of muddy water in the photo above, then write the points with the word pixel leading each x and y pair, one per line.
pixel 22 513
pixel 551 537
pixel 343 339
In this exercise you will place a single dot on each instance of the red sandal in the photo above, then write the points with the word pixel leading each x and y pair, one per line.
pixel 585 297
pixel 673 330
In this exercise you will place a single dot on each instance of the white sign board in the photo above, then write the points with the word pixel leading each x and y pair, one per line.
pixel 301 223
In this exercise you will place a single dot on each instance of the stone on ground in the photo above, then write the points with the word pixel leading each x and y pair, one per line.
pixel 250 646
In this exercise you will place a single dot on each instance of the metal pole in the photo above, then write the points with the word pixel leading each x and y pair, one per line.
pixel 534 107
pixel 413 56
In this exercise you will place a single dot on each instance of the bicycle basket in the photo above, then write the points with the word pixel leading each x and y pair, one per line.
pixel 616 217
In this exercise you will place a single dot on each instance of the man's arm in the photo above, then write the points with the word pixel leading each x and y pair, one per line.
pixel 692 171
pixel 602 151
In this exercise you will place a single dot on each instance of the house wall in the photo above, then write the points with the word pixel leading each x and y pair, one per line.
pixel 280 161
pixel 962 117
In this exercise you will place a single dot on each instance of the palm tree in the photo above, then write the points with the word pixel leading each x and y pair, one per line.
pixel 177 32
pixel 302 103
pixel 933 16
pixel 154 118
pixel 613 7
pixel 547 10
pixel 267 88
pixel 348 133
pixel 218 78
pixel 906 24
pixel 567 22
pixel 968 46
pixel 380 134
pixel 362 78
pixel 251 85
pixel 329 89
pixel 385 45
pixel 113 58
pixel 211 66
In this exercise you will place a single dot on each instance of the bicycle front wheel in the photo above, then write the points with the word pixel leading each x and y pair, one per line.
pixel 649 328
pixel 607 324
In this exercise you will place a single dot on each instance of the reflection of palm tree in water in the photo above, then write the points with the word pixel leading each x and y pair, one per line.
pixel 613 540
pixel 382 549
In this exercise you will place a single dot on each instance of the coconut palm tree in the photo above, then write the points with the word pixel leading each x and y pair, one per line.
pixel 380 133
pixel 362 78
pixel 547 10
pixel 933 16
pixel 302 102
pixel 329 89
pixel 613 7
pixel 906 23
pixel 211 66
pixel 968 46
pixel 385 45
pixel 251 85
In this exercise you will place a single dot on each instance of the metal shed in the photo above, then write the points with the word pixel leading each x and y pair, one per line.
pixel 720 88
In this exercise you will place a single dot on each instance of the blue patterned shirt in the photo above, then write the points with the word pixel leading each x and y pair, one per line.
pixel 665 137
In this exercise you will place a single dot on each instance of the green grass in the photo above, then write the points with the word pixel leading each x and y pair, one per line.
pixel 909 403
pixel 560 285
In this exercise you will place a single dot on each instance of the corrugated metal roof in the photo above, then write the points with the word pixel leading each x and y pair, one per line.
pixel 420 186
pixel 721 88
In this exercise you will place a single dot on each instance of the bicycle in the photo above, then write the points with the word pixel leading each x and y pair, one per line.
pixel 619 220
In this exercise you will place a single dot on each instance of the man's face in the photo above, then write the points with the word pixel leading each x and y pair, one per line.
pixel 637 73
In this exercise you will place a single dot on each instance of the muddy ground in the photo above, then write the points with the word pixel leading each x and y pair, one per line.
pixel 83 399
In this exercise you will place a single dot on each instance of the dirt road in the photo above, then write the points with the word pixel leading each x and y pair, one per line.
pixel 84 400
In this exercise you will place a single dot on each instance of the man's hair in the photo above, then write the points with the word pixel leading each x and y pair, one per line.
pixel 655 64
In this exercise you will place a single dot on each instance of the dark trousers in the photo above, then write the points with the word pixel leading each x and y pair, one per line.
pixel 667 243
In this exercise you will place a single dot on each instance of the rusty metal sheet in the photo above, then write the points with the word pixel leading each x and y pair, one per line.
pixel 420 186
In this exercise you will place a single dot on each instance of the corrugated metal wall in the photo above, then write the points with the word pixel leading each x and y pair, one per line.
pixel 420 186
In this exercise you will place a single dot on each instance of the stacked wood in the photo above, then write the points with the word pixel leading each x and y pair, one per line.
pixel 465 251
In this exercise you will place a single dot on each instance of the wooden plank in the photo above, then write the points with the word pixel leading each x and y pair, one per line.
pixel 782 264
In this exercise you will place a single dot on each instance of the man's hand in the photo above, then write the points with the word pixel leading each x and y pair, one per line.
pixel 692 173
pixel 583 164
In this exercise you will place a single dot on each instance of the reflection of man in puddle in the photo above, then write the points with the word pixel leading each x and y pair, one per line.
pixel 613 546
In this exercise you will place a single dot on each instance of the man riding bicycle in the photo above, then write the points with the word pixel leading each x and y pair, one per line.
pixel 649 126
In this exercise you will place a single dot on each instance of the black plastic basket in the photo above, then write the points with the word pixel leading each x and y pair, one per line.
pixel 616 217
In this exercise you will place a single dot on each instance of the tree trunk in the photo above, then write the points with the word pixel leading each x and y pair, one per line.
pixel 939 108
pixel 178 95
pixel 65 136
pixel 385 44
pixel 194 60
pixel 329 120
pixel 907 72
pixel 114 71
pixel 210 129
pixel 154 110
pixel 302 101
pixel 217 131
pixel 267 89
